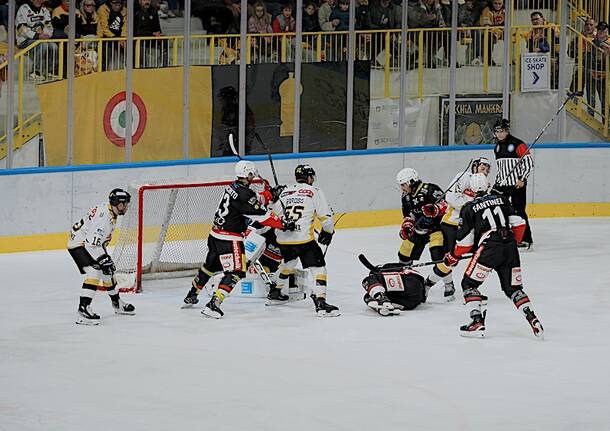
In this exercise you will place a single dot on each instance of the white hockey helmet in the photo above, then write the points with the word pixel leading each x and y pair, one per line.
pixel 480 161
pixel 407 176
pixel 479 183
pixel 243 168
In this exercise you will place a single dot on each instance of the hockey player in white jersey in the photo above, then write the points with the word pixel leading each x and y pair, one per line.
pixel 303 203
pixel 459 194
pixel 89 238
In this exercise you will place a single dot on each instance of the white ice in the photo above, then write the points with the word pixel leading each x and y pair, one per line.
pixel 281 368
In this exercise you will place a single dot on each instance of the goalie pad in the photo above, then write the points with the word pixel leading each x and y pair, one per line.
pixel 254 245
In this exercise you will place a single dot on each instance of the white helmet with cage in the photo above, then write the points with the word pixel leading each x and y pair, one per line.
pixel 407 176
pixel 243 168
pixel 479 183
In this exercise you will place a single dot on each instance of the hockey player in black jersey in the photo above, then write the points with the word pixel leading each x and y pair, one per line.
pixel 239 207
pixel 490 226
pixel 393 287
pixel 423 208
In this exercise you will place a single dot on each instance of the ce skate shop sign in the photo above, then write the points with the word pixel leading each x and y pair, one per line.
pixel 535 72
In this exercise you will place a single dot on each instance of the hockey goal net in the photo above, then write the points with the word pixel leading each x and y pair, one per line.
pixel 164 233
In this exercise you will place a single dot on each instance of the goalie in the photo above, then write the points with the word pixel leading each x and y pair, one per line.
pixel 87 245
pixel 392 288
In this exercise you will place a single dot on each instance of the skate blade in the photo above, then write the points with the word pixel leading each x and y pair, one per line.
pixel 273 302
pixel 473 334
pixel 323 313
pixel 87 322
pixel 186 306
pixel 211 314
pixel 450 298
pixel 125 313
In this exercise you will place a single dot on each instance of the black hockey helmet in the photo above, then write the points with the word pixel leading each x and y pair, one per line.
pixel 502 124
pixel 118 196
pixel 303 172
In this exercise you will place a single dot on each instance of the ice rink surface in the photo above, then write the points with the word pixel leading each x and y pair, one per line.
pixel 281 368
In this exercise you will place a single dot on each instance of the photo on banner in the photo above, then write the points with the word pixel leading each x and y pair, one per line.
pixel 475 116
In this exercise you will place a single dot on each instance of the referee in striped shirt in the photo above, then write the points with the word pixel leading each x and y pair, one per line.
pixel 514 163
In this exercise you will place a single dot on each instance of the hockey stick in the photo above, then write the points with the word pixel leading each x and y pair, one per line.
pixel 233 149
pixel 371 267
pixel 260 141
pixel 264 275
pixel 529 147
pixel 336 221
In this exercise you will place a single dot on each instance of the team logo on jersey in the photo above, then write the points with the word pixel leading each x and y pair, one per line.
pixel 115 117
pixel 306 192
pixel 511 147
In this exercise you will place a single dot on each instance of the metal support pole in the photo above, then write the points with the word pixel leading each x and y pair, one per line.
pixel 296 136
pixel 403 75
pixel 70 64
pixel 563 55
pixel 186 56
pixel 10 79
pixel 507 63
pixel 452 72
pixel 349 114
pixel 243 38
pixel 129 81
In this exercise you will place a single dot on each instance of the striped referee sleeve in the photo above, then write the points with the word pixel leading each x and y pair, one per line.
pixel 512 169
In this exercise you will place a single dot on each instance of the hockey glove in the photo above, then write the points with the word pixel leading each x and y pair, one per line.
pixel 450 260
pixel 433 210
pixel 324 237
pixel 407 228
pixel 289 225
pixel 276 192
pixel 105 264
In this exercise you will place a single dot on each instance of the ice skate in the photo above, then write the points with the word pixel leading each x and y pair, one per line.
pixel 191 299
pixel 449 292
pixel 122 307
pixel 534 323
pixel 475 329
pixel 276 297
pixel 323 308
pixel 212 308
pixel 86 316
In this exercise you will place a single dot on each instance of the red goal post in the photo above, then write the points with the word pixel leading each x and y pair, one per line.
pixel 164 233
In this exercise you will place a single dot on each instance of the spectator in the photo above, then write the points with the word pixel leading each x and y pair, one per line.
pixel 61 18
pixel 383 15
pixel 112 23
pixel 428 14
pixel 285 23
pixel 492 16
pixel 324 16
pixel 341 13
pixel 153 53
pixel 597 59
pixel 545 40
pixel 260 23
pixel 33 23
pixel 87 27
pixel 4 16
pixel 578 51
pixel 311 22
pixel 468 16
pixel 363 15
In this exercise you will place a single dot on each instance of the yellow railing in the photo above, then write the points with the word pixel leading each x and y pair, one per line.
pixel 591 75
